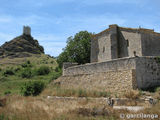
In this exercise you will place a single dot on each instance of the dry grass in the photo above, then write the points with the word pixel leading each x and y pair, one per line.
pixel 132 94
pixel 36 108
pixel 59 91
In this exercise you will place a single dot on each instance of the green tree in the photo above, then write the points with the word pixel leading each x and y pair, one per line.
pixel 77 49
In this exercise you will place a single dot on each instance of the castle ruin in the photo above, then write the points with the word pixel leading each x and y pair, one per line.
pixel 119 42
pixel 26 30
pixel 121 59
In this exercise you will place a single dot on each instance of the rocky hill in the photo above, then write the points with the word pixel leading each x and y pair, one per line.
pixel 21 46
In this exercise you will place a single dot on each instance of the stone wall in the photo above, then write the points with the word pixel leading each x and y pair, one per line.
pixel 104 47
pixel 67 65
pixel 94 50
pixel 117 64
pixel 150 44
pixel 111 81
pixel 147 70
pixel 118 42
pixel 134 43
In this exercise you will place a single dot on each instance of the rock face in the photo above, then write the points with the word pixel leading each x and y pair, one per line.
pixel 21 46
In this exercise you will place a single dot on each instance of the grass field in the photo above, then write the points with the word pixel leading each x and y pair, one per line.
pixel 15 72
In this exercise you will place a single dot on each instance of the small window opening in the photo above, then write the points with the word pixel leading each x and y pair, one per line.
pixel 103 49
pixel 127 43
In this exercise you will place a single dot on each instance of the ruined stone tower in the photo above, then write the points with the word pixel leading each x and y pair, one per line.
pixel 26 30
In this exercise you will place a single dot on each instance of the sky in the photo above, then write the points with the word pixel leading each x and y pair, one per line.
pixel 53 21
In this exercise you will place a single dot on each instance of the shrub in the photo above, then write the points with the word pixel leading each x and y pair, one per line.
pixel 0 69
pixel 26 64
pixel 58 69
pixel 43 70
pixel 52 62
pixel 26 73
pixel 56 75
pixel 32 88
pixel 7 92
pixel 17 69
pixel 9 72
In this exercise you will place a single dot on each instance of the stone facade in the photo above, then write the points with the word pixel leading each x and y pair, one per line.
pixel 118 42
pixel 118 54
pixel 110 81
pixel 26 30
pixel 147 70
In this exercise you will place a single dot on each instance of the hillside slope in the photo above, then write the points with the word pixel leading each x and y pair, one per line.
pixel 20 46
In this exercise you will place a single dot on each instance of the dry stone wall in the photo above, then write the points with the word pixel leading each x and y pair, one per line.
pixel 113 65
pixel 147 71
pixel 111 81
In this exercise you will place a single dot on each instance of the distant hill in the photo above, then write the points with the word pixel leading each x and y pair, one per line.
pixel 21 46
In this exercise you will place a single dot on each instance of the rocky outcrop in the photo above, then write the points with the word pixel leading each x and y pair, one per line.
pixel 20 45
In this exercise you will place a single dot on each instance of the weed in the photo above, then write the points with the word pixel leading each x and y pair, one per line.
pixel 82 93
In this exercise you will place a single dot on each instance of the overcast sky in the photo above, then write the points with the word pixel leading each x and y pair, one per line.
pixel 53 21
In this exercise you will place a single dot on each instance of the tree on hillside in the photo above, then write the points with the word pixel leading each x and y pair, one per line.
pixel 77 49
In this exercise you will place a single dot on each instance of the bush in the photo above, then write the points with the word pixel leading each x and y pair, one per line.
pixel 9 72
pixel 7 92
pixel 26 64
pixel 52 62
pixel 43 70
pixel 55 76
pixel 58 69
pixel 26 73
pixel 32 88
pixel 17 69
pixel 0 69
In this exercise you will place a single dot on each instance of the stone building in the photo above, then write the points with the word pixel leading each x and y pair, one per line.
pixel 121 59
pixel 118 42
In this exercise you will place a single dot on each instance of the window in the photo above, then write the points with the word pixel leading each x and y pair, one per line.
pixel 103 49
pixel 127 42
